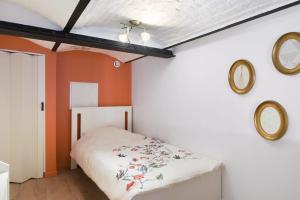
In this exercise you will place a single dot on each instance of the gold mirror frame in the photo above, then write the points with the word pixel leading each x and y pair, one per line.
pixel 283 120
pixel 276 50
pixel 251 70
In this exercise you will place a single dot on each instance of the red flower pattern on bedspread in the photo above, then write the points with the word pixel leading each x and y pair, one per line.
pixel 144 162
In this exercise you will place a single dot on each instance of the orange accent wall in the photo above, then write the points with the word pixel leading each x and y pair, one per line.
pixel 61 68
pixel 19 44
pixel 83 66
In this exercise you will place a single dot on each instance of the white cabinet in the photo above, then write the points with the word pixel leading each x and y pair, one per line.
pixel 4 181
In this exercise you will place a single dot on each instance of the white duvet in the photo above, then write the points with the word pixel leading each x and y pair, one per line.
pixel 124 164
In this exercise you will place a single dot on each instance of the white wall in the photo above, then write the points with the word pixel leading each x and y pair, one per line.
pixel 187 101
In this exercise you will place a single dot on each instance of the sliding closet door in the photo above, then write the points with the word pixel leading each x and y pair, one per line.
pixel 24 160
pixel 4 106
pixel 22 117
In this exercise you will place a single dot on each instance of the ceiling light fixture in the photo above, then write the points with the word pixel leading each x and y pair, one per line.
pixel 123 36
pixel 127 28
pixel 145 36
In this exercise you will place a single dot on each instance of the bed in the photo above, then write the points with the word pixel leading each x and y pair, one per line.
pixel 130 166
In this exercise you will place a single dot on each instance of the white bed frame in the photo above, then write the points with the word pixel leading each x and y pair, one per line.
pixel 89 118
pixel 206 187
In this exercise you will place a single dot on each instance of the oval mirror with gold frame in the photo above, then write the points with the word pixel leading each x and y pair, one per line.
pixel 241 76
pixel 286 53
pixel 271 120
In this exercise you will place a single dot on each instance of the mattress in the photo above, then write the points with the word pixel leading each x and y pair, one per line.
pixel 130 166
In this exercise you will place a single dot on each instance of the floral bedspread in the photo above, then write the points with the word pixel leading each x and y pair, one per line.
pixel 125 165
pixel 144 162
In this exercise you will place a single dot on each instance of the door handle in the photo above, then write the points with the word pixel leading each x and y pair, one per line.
pixel 42 106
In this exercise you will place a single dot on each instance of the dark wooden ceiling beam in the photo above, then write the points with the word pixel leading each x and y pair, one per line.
pixel 82 4
pixel 33 32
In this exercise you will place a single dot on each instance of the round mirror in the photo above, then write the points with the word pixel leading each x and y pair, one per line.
pixel 271 120
pixel 241 76
pixel 286 53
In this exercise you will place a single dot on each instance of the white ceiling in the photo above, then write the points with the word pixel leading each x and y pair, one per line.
pixel 14 13
pixel 122 56
pixel 46 44
pixel 171 21
pixel 168 21
pixel 56 11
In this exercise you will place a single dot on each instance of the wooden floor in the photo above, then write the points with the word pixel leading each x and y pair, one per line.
pixel 69 185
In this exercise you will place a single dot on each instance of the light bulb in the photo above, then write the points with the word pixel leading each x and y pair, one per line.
pixel 123 37
pixel 145 36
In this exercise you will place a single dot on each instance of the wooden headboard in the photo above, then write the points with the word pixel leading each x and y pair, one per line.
pixel 89 118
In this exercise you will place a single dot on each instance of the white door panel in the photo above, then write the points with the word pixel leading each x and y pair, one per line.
pixel 23 160
pixel 41 116
pixel 4 106
pixel 26 146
